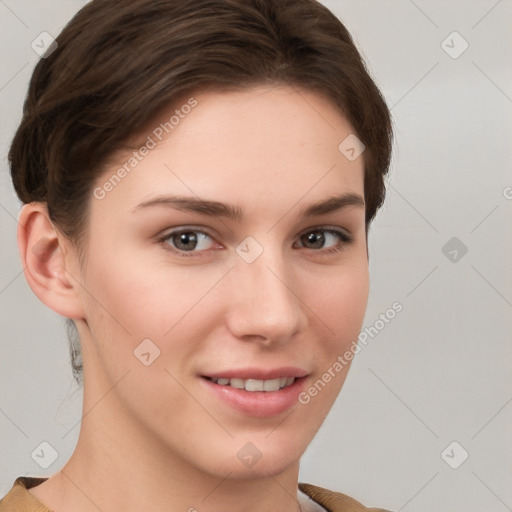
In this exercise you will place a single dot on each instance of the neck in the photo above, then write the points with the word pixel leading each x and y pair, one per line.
pixel 118 465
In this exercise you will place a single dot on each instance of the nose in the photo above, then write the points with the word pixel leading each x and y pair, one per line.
pixel 264 304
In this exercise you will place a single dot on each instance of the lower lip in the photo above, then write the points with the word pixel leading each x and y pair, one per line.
pixel 260 404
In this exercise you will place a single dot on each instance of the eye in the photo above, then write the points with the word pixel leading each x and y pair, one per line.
pixel 318 237
pixel 187 240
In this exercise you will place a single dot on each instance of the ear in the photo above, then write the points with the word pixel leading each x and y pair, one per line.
pixel 50 261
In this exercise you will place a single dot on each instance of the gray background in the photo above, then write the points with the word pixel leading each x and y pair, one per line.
pixel 440 371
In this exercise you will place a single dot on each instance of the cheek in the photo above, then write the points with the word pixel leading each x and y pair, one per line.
pixel 341 303
pixel 131 299
pixel 340 313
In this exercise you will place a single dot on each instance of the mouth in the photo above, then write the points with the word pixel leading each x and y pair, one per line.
pixel 253 385
pixel 259 393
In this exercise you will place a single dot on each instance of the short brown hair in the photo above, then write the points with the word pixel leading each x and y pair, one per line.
pixel 119 63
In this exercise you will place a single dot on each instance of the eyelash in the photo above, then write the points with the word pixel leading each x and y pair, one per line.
pixel 344 239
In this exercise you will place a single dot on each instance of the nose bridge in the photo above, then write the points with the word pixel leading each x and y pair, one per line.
pixel 263 301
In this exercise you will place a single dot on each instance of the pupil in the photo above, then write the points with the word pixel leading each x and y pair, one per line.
pixel 187 240
pixel 314 237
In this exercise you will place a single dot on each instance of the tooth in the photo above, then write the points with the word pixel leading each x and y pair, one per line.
pixel 271 385
pixel 237 383
pixel 253 385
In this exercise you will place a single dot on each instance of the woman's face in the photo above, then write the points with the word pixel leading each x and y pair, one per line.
pixel 252 288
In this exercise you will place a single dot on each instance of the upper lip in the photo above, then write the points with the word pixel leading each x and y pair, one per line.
pixel 259 373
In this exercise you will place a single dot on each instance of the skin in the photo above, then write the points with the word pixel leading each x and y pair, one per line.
pixel 271 150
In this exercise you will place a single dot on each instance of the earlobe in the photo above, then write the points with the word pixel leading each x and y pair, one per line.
pixel 45 262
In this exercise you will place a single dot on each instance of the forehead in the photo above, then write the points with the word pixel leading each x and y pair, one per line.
pixel 268 145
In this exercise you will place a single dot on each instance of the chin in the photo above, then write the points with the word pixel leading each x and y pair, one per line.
pixel 254 457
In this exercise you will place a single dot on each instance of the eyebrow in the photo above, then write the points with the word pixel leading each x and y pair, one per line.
pixel 235 212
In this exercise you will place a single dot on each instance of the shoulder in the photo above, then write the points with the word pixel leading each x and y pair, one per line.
pixel 335 501
pixel 18 499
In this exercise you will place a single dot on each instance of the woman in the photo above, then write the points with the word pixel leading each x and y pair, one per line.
pixel 198 179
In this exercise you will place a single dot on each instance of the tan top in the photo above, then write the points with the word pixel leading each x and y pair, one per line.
pixel 18 499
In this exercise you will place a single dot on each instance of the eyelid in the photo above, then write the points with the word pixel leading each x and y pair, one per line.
pixel 179 229
pixel 201 229
pixel 326 227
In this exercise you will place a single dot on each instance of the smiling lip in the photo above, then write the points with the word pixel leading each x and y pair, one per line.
pixel 259 373
pixel 259 404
